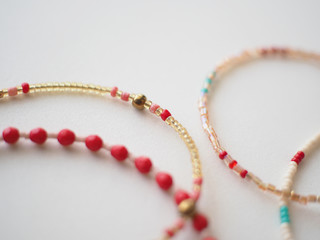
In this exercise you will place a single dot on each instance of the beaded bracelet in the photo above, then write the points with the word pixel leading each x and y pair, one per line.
pixel 221 69
pixel 186 202
pixel 287 187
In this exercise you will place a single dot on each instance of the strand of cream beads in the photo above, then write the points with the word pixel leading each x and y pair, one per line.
pixel 224 67
pixel 186 202
pixel 287 183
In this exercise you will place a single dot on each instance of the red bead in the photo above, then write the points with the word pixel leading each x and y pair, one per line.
pixel 181 195
pixel 200 222
pixel 11 135
pixel 164 180
pixel 66 137
pixel 295 160
pixel 243 173
pixel 38 135
pixel 119 152
pixel 25 87
pixel 165 114
pixel 94 143
pixel 300 154
pixel 233 164
pixel 298 157
pixel 222 155
pixel 143 164
pixel 169 232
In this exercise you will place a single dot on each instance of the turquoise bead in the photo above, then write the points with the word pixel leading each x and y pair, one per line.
pixel 208 80
pixel 204 90
pixel 284 214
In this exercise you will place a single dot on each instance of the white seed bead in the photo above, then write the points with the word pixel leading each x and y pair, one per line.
pixel 286 231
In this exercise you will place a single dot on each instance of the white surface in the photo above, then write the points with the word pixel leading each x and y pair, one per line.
pixel 263 113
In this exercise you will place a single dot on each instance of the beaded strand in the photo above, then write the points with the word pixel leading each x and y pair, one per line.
pixel 224 67
pixel 286 187
pixel 186 202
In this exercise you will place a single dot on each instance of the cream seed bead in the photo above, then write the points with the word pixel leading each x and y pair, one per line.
pixel 286 231
pixel 311 145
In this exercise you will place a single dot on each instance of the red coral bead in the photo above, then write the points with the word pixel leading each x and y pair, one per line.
pixel 200 222
pixel 38 135
pixel 119 152
pixel 11 135
pixel 165 114
pixel 66 137
pixel 181 195
pixel 164 180
pixel 94 143
pixel 25 87
pixel 143 164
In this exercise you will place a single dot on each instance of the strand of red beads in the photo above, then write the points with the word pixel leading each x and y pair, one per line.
pixel 186 201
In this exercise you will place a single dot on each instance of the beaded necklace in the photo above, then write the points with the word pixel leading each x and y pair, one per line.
pixel 186 202
pixel 287 187
pixel 285 192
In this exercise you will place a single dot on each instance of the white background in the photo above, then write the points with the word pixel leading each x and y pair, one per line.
pixel 262 112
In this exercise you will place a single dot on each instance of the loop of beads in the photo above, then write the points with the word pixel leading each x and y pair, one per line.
pixel 285 192
pixel 219 71
pixel 186 202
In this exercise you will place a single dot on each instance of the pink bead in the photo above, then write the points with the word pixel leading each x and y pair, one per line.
pixel 198 181
pixel 195 195
pixel 113 92
pixel 153 107
pixel 125 96
pixel 180 223
pixel 12 91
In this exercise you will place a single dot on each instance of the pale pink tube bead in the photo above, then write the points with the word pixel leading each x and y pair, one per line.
pixel 12 91
pixel 113 92
pixel 125 96
pixel 153 107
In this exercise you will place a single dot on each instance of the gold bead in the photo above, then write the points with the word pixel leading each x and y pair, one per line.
pixel 139 101
pixel 187 207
